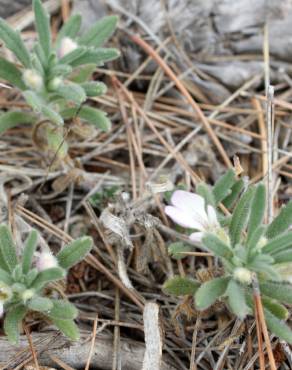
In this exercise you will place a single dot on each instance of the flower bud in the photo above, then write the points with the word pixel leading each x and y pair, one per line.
pixel 46 261
pixel 27 294
pixel 55 83
pixel 32 79
pixel 67 45
pixel 5 292
pixel 243 275
pixel 262 242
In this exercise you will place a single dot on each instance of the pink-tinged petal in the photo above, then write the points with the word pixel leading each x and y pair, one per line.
pixel 212 217
pixel 189 202
pixel 182 218
pixel 197 237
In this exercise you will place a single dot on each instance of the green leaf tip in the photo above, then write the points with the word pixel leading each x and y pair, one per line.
pixel 181 286
pixel 74 252
pixel 210 291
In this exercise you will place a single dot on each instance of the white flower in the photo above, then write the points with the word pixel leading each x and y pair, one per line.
pixel 33 79
pixel 46 260
pixel 188 210
pixel 66 46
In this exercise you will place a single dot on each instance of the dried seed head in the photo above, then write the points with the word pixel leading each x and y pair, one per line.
pixel 67 45
pixel 243 275
pixel 46 261
pixel 33 79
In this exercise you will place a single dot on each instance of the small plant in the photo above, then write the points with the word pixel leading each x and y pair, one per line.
pixel 23 283
pixel 53 78
pixel 249 250
pixel 101 198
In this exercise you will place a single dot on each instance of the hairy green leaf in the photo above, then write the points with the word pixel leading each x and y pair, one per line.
pixel 12 323
pixel 93 88
pixel 40 304
pixel 68 328
pixel 60 70
pixel 46 276
pixel 240 216
pixel 29 250
pixel 179 285
pixel 278 327
pixel 91 115
pixel 17 273
pixel 236 299
pixel 82 73
pixel 72 92
pixel 63 310
pixel 3 264
pixel 217 246
pixel 13 42
pixel 254 239
pixel 34 100
pixel 74 252
pixel 100 32
pixel 278 290
pixel 278 244
pixel 282 257
pixel 7 247
pixel 12 119
pixel 75 54
pixel 52 115
pixel 96 56
pixel 30 277
pixel 281 223
pixel 5 277
pixel 42 23
pixel 222 187
pixel 236 189
pixel 275 308
pixel 176 250
pixel 258 207
pixel 210 291
pixel 263 266
pixel 10 73
pixel 56 141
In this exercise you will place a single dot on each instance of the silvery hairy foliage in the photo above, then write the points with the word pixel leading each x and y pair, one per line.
pixel 25 277
pixel 249 250
pixel 54 77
